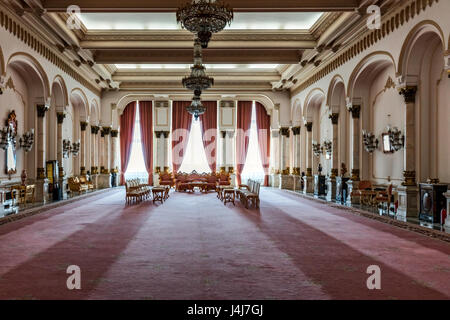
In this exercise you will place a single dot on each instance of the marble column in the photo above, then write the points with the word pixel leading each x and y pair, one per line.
pixel 83 126
pixel 94 155
pixel 223 141
pixel 275 154
pixel 331 181
pixel 447 220
pixel 353 183
pixel 286 180
pixel 41 179
pixel 408 191
pixel 104 179
pixel 231 156
pixel 114 154
pixel 165 149
pixel 308 180
pixel 297 156
pixel 62 179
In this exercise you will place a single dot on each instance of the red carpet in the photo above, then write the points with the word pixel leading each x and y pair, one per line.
pixel 194 247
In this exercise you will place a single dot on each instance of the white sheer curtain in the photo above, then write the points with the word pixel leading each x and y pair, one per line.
pixel 253 168
pixel 195 157
pixel 136 167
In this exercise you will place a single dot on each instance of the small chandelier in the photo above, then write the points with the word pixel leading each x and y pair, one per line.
pixel 369 141
pixel 396 138
pixel 317 148
pixel 197 81
pixel 196 108
pixel 204 17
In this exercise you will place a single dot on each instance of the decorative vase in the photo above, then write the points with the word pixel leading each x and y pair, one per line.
pixel 24 176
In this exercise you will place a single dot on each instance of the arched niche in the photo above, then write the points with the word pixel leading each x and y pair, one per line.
pixel 421 63
pixel 58 103
pixel 26 87
pixel 372 85
pixel 336 102
pixel 80 105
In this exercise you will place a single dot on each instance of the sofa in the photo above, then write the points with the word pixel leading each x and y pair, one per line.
pixel 183 180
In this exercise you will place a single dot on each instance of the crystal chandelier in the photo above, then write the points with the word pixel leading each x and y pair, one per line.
pixel 204 17
pixel 198 80
pixel 396 138
pixel 369 141
pixel 196 108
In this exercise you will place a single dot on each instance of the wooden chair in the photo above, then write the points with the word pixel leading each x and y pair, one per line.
pixel 249 193
pixel 383 199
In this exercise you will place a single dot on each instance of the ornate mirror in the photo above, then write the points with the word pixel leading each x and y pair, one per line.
pixel 11 124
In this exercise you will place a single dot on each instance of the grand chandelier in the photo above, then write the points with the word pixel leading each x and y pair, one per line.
pixel 204 17
pixel 197 81
pixel 196 108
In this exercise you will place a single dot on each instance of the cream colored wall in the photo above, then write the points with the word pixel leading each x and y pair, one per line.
pixel 24 96
pixel 432 111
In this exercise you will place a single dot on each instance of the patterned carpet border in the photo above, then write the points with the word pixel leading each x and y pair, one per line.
pixel 400 224
pixel 36 210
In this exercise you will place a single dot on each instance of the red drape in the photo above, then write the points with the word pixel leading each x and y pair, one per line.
pixel 146 120
pixel 208 122
pixel 244 119
pixel 126 137
pixel 181 126
pixel 263 127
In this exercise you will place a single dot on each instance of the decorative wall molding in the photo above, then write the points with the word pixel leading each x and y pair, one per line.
pixel 390 23
pixel 24 34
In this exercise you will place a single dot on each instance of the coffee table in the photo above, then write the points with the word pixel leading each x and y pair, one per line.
pixel 159 194
pixel 197 184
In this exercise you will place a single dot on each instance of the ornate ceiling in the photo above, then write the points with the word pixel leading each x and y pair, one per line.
pixel 293 36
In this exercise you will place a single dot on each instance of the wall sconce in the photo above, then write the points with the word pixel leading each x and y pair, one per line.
pixel 396 138
pixel 27 140
pixel 76 148
pixel 317 149
pixel 67 147
pixel 328 147
pixel 7 135
pixel 369 141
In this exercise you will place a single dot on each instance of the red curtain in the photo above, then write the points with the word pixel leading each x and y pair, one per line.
pixel 208 122
pixel 263 127
pixel 244 119
pixel 181 126
pixel 126 137
pixel 146 120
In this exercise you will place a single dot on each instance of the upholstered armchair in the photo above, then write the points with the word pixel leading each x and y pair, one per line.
pixel 76 186
pixel 383 198
pixel 224 179
pixel 166 179
pixel 211 182
pixel 85 181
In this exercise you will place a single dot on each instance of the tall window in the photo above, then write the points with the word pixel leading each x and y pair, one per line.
pixel 253 168
pixel 195 157
pixel 136 167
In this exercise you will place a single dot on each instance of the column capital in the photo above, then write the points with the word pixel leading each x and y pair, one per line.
pixel 296 130
pixel 224 134
pixel 160 134
pixel 230 134
pixel 308 126
pixel 60 116
pixel 355 110
pixel 408 93
pixel 334 117
pixel 83 125
pixel 105 131
pixel 114 133
pixel 284 132
pixel 95 129
pixel 42 109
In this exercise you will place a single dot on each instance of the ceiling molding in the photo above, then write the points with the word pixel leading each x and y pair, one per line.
pixel 172 5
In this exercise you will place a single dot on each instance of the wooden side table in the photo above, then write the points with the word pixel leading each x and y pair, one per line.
pixel 229 195
pixel 158 194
